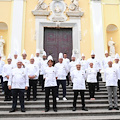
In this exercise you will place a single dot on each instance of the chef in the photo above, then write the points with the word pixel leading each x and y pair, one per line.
pixel 18 83
pixel 117 66
pixel 97 66
pixel 78 79
pixel 84 63
pixel 14 60
pixel 91 73
pixel 7 69
pixel 50 84
pixel 33 73
pixel 25 61
pixel 111 77
pixel 62 71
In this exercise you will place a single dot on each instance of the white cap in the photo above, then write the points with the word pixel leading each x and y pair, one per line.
pixel 24 52
pixel 91 61
pixel 83 55
pixel 110 59
pixel 117 56
pixel 78 62
pixel 38 51
pixel 19 59
pixel 15 52
pixel 9 56
pixel 32 56
pixel 106 52
pixel 60 55
pixel 50 58
pixel 92 53
pixel 73 55
pixel 44 53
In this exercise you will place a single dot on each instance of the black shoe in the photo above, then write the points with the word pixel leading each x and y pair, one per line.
pixel 22 110
pixel 74 109
pixel 98 90
pixel 34 99
pixel 6 99
pixel 85 109
pixel 46 110
pixel 110 108
pixel 116 108
pixel 27 99
pixel 55 109
pixel 12 110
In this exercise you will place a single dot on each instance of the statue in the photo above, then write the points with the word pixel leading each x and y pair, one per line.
pixel 111 45
pixel 2 42
pixel 74 6
pixel 41 5
pixel 57 9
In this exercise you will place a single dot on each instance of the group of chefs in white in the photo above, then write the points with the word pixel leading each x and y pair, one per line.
pixel 20 74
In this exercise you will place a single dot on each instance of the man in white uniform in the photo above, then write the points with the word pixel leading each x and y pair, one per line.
pixel 2 63
pixel 18 83
pixel 78 77
pixel 7 69
pixel 97 66
pixel 62 71
pixel 25 61
pixel 84 63
pixel 33 74
pixel 111 77
pixel 116 65
pixel 14 60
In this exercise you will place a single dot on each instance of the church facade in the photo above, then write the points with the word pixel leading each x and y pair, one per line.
pixel 68 26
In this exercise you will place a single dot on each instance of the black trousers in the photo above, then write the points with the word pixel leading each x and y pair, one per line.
pixel 15 94
pixel 92 89
pixel 32 83
pixel 63 83
pixel 2 83
pixel 119 86
pixel 76 92
pixel 6 90
pixel 97 84
pixel 67 78
pixel 40 79
pixel 47 94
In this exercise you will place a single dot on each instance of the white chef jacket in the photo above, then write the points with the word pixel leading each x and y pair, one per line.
pixel 111 76
pixel 39 63
pixel 14 63
pixel 78 79
pixel 7 69
pixel 117 66
pixel 25 62
pixel 96 64
pixel 61 70
pixel 18 78
pixel 72 66
pixel 84 64
pixel 105 62
pixel 66 60
pixel 91 75
pixel 33 69
pixel 50 77
pixel 2 63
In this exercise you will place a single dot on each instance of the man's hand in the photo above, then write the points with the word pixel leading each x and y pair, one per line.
pixel 9 87
pixel 7 76
pixel 26 88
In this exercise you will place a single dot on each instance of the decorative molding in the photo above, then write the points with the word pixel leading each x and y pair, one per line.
pixel 75 14
pixel 40 13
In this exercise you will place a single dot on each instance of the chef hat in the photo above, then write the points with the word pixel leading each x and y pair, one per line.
pixel 44 53
pixel 106 52
pixel 92 53
pixel 50 58
pixel 38 51
pixel 9 56
pixel 110 59
pixel 15 52
pixel 117 56
pixel 78 62
pixel 91 61
pixel 60 55
pixel 24 52
pixel 73 55
pixel 32 56
pixel 19 59
pixel 83 55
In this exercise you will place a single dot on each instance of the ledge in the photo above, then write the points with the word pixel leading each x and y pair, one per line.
pixel 40 13
pixel 75 14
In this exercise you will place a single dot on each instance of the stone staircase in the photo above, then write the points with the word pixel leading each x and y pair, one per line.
pixel 98 109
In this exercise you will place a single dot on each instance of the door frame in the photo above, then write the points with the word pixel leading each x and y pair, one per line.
pixel 75 24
